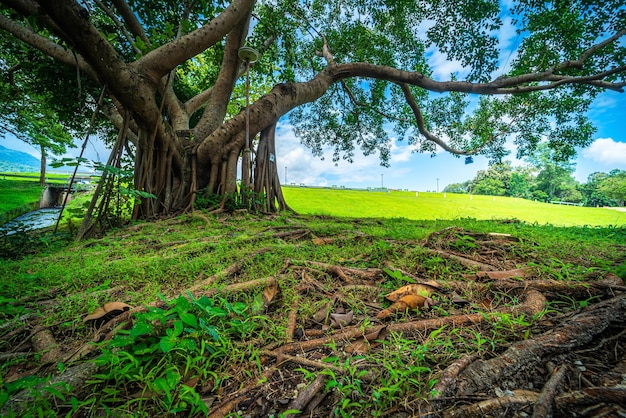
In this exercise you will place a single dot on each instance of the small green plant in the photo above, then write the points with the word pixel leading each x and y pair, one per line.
pixel 465 243
pixel 168 347
pixel 396 274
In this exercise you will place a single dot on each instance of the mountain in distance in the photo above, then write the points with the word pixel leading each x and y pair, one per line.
pixel 13 160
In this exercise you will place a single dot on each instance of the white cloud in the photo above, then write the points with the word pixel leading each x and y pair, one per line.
pixel 303 167
pixel 607 151
pixel 400 152
pixel 442 67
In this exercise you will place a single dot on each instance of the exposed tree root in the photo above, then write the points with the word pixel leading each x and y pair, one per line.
pixel 533 303
pixel 495 406
pixel 230 402
pixel 574 332
pixel 466 262
pixel 344 273
pixel 292 319
pixel 230 271
pixel 572 289
pixel 72 380
pixel 45 345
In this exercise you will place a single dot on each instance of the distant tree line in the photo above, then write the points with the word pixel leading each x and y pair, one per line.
pixel 545 180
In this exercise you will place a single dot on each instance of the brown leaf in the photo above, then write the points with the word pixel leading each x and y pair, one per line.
pixel 418 289
pixel 108 309
pixel 323 241
pixel 193 382
pixel 458 300
pixel 500 275
pixel 339 320
pixel 270 292
pixel 365 343
pixel 429 303
pixel 402 305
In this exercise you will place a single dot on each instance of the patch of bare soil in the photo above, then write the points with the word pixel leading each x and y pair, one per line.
pixel 570 363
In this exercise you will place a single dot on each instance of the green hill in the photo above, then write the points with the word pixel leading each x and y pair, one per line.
pixel 13 160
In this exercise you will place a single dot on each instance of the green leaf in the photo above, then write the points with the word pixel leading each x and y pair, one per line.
pixel 168 343
pixel 189 319
pixel 140 328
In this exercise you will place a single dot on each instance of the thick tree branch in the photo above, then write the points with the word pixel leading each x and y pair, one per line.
pixel 500 86
pixel 215 111
pixel 201 98
pixel 128 86
pixel 131 20
pixel 46 46
pixel 119 25
pixel 160 61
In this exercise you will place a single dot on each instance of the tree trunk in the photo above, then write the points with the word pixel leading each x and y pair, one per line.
pixel 267 189
pixel 42 170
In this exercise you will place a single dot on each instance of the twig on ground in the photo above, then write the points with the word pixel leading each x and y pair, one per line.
pixel 543 406
pixel 306 395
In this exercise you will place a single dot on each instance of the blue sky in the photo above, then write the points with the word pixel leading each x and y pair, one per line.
pixel 415 171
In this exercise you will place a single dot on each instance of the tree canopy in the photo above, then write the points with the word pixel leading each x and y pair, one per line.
pixel 346 72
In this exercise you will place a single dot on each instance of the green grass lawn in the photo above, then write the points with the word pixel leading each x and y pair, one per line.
pixel 430 206
pixel 17 194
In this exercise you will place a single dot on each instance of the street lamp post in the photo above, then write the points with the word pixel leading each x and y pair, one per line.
pixel 381 181
pixel 437 184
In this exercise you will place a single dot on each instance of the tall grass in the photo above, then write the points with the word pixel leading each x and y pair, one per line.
pixel 431 206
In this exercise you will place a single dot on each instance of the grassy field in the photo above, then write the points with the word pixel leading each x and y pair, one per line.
pixel 16 194
pixel 267 284
pixel 431 206
pixel 395 204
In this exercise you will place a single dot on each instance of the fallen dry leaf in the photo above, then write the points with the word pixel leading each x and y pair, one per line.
pixel 405 303
pixel 365 343
pixel 458 300
pixel 418 289
pixel 339 320
pixel 323 241
pixel 270 292
pixel 108 309
pixel 500 275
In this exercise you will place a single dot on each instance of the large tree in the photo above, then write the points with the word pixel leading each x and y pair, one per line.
pixel 346 70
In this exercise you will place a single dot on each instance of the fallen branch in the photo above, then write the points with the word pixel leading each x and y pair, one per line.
pixel 306 395
pixel 543 406
pixel 224 274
